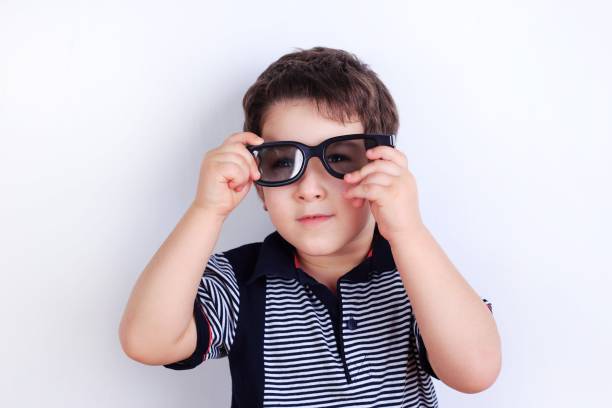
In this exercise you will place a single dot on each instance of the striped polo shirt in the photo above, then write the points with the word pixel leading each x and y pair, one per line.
pixel 291 342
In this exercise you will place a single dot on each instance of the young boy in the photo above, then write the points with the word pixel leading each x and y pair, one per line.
pixel 350 302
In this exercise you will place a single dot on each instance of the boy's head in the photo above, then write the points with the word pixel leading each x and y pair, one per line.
pixel 309 96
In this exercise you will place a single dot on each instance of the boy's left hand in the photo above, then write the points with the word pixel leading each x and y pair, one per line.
pixel 391 190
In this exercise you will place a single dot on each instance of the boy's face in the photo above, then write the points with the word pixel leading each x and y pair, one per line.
pixel 317 191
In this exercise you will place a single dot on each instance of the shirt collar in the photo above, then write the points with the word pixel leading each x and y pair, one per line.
pixel 277 258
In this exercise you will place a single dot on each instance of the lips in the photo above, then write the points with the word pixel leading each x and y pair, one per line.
pixel 315 220
pixel 314 217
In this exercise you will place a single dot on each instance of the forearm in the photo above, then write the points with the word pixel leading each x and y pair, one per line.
pixel 457 327
pixel 160 306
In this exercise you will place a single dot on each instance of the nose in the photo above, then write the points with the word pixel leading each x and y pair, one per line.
pixel 311 186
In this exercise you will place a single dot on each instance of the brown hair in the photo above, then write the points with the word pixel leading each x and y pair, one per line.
pixel 334 79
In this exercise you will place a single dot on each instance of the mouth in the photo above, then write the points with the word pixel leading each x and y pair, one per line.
pixel 314 219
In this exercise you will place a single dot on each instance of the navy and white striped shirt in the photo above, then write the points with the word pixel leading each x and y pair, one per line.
pixel 291 342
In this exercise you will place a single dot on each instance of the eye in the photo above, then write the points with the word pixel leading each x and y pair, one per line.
pixel 335 158
pixel 283 163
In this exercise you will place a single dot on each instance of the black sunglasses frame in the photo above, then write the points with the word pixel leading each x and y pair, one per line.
pixel 318 151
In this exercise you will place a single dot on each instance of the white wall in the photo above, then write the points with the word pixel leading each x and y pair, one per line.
pixel 106 109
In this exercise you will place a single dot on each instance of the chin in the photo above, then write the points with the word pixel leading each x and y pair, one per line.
pixel 316 244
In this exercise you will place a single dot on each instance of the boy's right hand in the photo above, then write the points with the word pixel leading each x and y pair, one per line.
pixel 225 172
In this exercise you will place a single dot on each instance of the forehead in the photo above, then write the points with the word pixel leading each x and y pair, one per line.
pixel 299 120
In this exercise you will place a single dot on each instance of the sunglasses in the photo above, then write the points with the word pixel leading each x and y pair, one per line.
pixel 283 162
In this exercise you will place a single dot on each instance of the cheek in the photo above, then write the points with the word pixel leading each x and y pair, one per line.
pixel 278 202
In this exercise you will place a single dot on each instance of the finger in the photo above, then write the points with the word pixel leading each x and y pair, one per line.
pixel 382 179
pixel 246 174
pixel 241 139
pixel 370 192
pixel 388 153
pixel 244 138
pixel 248 156
pixel 241 163
pixel 231 172
pixel 381 166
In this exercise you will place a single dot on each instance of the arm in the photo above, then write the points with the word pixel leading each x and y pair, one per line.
pixel 159 312
pixel 458 329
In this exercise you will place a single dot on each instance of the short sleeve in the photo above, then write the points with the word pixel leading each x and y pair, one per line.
pixel 215 311
pixel 420 345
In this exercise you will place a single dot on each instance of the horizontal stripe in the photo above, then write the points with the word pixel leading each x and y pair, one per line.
pixel 303 365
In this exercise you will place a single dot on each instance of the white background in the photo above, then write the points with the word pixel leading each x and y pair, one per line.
pixel 107 108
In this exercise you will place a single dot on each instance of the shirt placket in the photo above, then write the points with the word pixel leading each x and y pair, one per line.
pixel 354 360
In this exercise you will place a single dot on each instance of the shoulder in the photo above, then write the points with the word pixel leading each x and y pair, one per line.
pixel 242 259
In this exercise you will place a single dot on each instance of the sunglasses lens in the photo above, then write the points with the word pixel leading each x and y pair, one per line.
pixel 279 163
pixel 346 156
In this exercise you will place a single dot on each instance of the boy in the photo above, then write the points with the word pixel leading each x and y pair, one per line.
pixel 324 311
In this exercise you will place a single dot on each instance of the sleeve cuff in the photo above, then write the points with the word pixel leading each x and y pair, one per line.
pixel 422 351
pixel 423 358
pixel 203 332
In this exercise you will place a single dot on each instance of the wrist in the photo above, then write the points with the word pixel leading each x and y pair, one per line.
pixel 207 215
pixel 414 231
